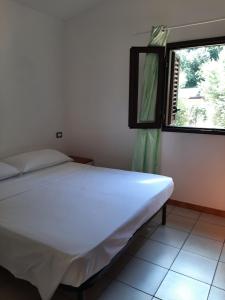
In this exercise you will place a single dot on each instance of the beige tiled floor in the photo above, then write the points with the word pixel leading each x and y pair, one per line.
pixel 216 293
pixel 184 260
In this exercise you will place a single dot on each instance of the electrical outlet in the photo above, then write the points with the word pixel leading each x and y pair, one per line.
pixel 59 135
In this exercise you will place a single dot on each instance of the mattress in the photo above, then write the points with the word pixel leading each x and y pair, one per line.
pixel 65 223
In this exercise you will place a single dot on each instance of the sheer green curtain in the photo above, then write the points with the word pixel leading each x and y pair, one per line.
pixel 147 146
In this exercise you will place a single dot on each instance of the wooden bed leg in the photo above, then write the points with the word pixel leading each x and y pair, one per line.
pixel 164 214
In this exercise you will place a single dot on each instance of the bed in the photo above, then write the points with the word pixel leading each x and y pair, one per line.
pixel 65 223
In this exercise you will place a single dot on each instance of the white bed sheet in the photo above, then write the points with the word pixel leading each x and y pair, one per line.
pixel 65 223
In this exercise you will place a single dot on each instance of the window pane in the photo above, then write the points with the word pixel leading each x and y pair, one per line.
pixel 201 93
pixel 146 87
pixel 148 71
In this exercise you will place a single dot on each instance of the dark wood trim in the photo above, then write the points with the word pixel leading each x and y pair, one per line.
pixel 176 46
pixel 207 210
pixel 196 43
pixel 193 130
pixel 133 87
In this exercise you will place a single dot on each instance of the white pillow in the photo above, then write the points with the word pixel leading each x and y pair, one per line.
pixel 36 160
pixel 7 171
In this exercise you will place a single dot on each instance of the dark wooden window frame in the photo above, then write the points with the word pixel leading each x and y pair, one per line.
pixel 133 89
pixel 181 45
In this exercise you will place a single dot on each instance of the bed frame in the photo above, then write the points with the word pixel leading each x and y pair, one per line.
pixel 80 291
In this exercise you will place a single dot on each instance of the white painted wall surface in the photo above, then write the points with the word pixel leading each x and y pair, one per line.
pixel 97 56
pixel 31 107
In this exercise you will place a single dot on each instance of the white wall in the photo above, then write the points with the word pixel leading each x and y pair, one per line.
pixel 31 107
pixel 97 55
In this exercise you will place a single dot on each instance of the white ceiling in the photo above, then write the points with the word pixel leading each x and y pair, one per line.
pixel 63 9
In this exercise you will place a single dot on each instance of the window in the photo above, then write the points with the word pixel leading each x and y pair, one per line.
pixel 137 62
pixel 195 100
pixel 194 87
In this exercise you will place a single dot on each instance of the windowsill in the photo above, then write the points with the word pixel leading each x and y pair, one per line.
pixel 194 130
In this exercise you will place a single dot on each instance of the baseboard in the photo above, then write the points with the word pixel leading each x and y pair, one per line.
pixel 200 208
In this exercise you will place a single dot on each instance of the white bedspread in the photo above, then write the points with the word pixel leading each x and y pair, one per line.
pixel 65 223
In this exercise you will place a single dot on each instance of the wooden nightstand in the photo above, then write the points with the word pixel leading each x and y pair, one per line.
pixel 82 160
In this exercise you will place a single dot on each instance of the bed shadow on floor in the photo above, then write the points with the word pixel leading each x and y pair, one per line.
pixel 12 288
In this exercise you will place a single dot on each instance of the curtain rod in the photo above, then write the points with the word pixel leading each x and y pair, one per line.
pixel 186 25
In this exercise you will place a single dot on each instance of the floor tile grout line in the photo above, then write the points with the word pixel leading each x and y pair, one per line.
pixel 185 250
pixel 156 264
pixel 186 217
pixel 135 288
pixel 191 233
pixel 177 228
pixel 169 269
pixel 131 255
pixel 165 243
pixel 179 250
pixel 195 223
pixel 195 253
pixel 218 287
pixel 182 248
pixel 197 220
pixel 157 226
pixel 150 262
pixel 188 235
pixel 214 275
pixel 147 261
pixel 214 224
pixel 210 223
pixel 209 291
pixel 206 237
pixel 222 248
pixel 171 264
pixel 209 284
pixel 160 242
pixel 127 284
